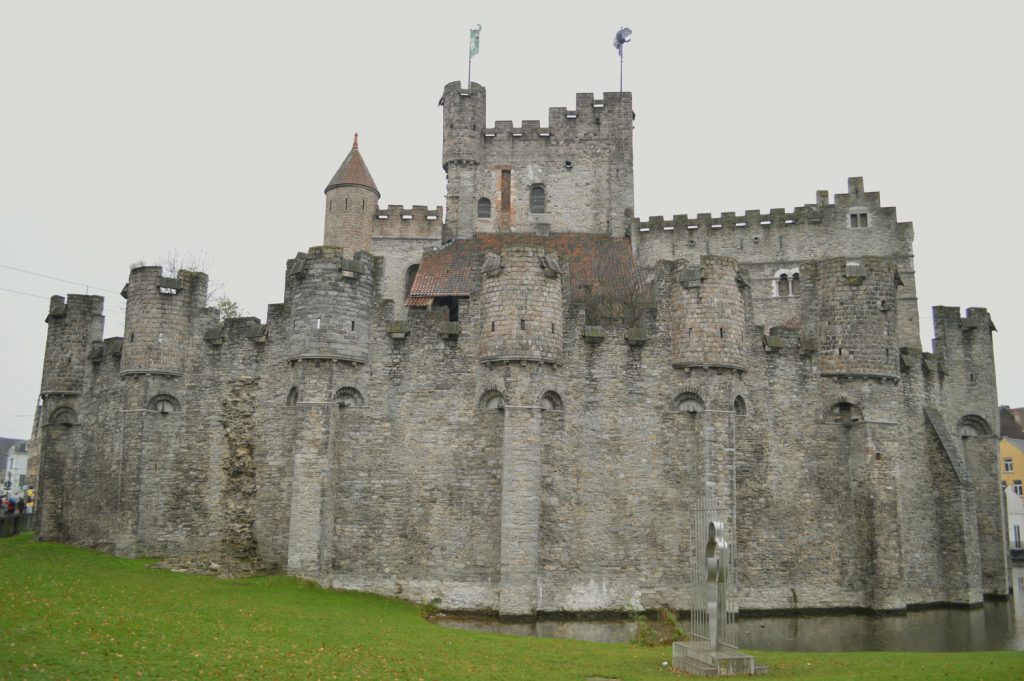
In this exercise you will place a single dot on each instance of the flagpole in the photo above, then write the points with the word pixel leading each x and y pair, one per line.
pixel 469 72
pixel 620 71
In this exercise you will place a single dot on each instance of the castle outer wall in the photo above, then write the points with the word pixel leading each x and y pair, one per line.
pixel 526 437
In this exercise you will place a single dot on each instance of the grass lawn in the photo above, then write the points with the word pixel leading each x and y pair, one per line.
pixel 71 613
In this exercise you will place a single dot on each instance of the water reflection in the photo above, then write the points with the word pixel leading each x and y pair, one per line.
pixel 999 625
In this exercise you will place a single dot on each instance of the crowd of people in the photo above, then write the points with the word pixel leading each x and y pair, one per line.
pixel 11 503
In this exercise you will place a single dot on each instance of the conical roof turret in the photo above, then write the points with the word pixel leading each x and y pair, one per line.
pixel 353 171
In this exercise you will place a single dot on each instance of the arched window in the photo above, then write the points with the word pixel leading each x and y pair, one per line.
pixel 483 208
pixel 688 402
pixel 551 401
pixel 293 397
pixel 739 405
pixel 492 399
pixel 165 404
pixel 783 286
pixel 794 284
pixel 537 199
pixel 348 397
pixel 63 416
pixel 844 412
pixel 973 425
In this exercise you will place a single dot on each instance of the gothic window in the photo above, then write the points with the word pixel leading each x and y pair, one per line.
pixel 794 284
pixel 551 401
pixel 689 402
pixel 293 397
pixel 164 404
pixel 492 399
pixel 739 406
pixel 348 397
pixel 783 286
pixel 483 208
pixel 537 199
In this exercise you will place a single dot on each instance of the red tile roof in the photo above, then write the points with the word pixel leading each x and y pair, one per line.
pixel 353 171
pixel 596 264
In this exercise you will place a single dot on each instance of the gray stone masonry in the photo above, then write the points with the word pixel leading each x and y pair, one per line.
pixel 523 458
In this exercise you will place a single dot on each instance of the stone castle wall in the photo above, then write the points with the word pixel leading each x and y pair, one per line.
pixel 525 458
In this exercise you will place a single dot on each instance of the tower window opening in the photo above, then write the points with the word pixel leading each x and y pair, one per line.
pixel 537 199
pixel 353 325
pixel 783 286
pixel 794 284
pixel 492 326
pixel 552 327
pixel 522 324
pixel 346 204
pixel 858 220
pixel 483 208
pixel 721 332
pixel 318 323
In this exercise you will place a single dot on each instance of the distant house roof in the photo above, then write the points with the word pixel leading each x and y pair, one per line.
pixel 1018 443
pixel 596 264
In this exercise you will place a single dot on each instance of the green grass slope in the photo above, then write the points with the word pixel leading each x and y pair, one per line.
pixel 70 613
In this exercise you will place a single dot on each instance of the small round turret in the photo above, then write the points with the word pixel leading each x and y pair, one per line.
pixel 521 303
pixel 71 329
pixel 465 113
pixel 331 298
pixel 158 320
pixel 351 205
pixel 708 316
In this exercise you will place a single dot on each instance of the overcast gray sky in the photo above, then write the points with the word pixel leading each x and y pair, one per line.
pixel 131 129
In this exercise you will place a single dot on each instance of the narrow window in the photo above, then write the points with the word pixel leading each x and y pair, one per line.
pixel 721 332
pixel 537 202
pixel 783 286
pixel 1018 489
pixel 794 284
pixel 552 327
pixel 492 326
pixel 1007 465
pixel 318 323
pixel 483 208
pixel 346 204
pixel 506 191
pixel 522 324
pixel 353 325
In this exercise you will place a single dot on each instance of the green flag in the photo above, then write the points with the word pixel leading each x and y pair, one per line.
pixel 474 41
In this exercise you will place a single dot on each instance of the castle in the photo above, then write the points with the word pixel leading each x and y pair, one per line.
pixel 521 404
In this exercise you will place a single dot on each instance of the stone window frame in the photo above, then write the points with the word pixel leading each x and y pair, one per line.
pixel 739 406
pixel 551 401
pixel 483 205
pixel 164 404
pixel 791 275
pixel 858 218
pixel 492 400
pixel 63 416
pixel 688 402
pixel 972 425
pixel 348 396
pixel 844 412
pixel 293 397
pixel 538 198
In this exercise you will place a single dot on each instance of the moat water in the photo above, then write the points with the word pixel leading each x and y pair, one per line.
pixel 998 625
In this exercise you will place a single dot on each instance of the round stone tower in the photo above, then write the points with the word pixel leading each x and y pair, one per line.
pixel 465 115
pixel 351 205
pixel 708 314
pixel 158 320
pixel 521 305
pixel 72 326
pixel 330 299
pixel 857 328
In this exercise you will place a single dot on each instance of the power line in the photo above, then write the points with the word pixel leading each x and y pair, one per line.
pixel 66 281
pixel 22 293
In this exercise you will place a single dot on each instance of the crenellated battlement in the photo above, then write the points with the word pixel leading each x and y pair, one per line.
pixel 565 123
pixel 398 222
pixel 811 213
